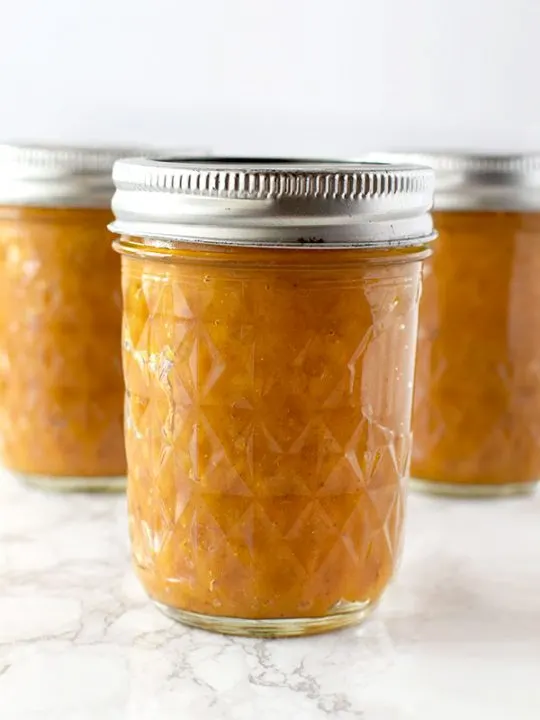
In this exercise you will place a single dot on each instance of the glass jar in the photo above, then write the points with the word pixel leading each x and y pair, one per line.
pixel 61 386
pixel 270 319
pixel 477 402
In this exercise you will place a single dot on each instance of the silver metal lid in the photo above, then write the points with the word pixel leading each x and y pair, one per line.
pixel 57 176
pixel 472 181
pixel 275 203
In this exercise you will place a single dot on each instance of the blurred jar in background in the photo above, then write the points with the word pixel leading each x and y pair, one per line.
pixel 61 387
pixel 477 398
pixel 270 318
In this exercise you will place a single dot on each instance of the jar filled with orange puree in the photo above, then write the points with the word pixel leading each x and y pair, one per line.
pixel 269 335
pixel 61 387
pixel 477 397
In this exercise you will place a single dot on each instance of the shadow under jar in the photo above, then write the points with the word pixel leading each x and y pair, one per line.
pixel 61 385
pixel 270 319
pixel 477 396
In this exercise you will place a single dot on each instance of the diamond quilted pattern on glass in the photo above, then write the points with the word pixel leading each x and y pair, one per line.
pixel 61 386
pixel 284 426
pixel 477 382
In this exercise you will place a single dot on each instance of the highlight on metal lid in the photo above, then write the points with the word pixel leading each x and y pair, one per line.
pixel 479 181
pixel 273 202
pixel 56 176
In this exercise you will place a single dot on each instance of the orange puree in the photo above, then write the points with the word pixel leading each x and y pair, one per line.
pixel 60 366
pixel 477 402
pixel 268 412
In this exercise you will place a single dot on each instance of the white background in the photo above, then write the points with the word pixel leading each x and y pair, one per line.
pixel 272 76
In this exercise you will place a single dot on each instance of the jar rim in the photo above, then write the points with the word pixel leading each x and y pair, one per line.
pixel 42 175
pixel 277 202
pixel 474 180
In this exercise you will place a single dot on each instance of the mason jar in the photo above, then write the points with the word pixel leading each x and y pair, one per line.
pixel 269 335
pixel 477 405
pixel 61 387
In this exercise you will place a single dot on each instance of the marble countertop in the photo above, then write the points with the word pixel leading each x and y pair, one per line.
pixel 457 636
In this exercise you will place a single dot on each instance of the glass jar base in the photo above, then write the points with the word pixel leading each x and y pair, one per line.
pixel 59 483
pixel 479 490
pixel 352 614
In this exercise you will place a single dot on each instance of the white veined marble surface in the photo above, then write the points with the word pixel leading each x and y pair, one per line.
pixel 457 636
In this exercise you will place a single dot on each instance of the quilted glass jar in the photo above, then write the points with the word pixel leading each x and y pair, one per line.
pixel 270 318
pixel 477 399
pixel 61 386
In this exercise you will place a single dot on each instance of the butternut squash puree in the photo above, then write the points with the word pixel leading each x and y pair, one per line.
pixel 61 387
pixel 477 401
pixel 268 407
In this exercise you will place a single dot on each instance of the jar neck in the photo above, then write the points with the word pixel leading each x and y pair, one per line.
pixel 180 251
